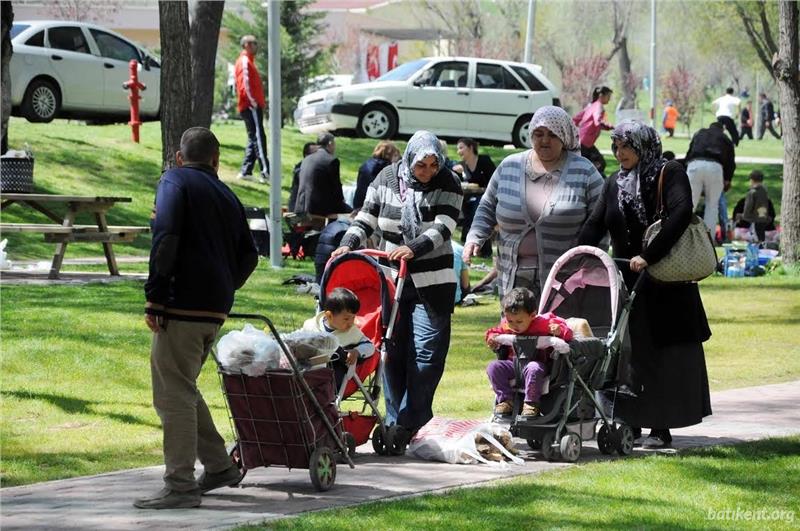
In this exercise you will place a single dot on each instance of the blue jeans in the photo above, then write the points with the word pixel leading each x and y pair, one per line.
pixel 414 365
pixel 723 215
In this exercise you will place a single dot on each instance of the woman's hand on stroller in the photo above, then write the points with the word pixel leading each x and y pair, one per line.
pixel 340 250
pixel 403 252
pixel 638 264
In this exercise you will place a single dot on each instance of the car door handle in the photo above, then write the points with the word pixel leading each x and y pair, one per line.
pixel 108 65
pixel 56 57
pixel 522 96
pixel 460 93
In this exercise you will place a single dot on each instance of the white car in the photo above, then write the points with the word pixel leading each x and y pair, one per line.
pixel 449 96
pixel 76 70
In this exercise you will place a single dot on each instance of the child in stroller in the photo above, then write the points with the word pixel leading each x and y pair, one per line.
pixel 520 318
pixel 339 318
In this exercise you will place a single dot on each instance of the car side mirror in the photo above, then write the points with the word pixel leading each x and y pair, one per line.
pixel 420 82
pixel 146 63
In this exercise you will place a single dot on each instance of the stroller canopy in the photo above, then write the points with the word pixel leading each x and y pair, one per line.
pixel 585 282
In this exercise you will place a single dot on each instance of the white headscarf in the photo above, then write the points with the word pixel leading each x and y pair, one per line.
pixel 559 123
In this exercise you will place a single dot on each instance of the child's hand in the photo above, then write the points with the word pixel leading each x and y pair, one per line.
pixel 352 357
pixel 492 342
pixel 554 329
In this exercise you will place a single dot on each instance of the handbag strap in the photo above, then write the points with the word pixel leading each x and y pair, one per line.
pixel 660 194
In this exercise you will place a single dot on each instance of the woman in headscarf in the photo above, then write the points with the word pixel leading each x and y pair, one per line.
pixel 412 206
pixel 539 199
pixel 668 323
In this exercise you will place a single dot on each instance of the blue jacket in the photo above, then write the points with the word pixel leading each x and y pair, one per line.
pixel 202 248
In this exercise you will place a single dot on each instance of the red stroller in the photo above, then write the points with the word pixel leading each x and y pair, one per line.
pixel 360 272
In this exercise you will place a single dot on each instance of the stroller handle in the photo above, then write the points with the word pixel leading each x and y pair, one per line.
pixel 375 253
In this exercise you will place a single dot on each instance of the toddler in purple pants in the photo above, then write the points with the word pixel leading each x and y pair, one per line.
pixel 520 318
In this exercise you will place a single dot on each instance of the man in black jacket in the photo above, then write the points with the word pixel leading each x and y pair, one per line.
pixel 767 111
pixel 319 189
pixel 202 252
pixel 710 166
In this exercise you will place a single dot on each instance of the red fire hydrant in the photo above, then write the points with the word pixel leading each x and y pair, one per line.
pixel 134 85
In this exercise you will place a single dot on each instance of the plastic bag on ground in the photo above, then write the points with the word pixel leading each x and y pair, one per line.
pixel 463 442
pixel 250 351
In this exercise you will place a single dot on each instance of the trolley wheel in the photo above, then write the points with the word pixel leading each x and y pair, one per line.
pixel 322 468
pixel 378 443
pixel 236 457
pixel 350 443
pixel 534 444
pixel 624 440
pixel 605 440
pixel 570 447
pixel 548 451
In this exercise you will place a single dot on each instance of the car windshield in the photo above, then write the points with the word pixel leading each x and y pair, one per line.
pixel 404 71
pixel 16 29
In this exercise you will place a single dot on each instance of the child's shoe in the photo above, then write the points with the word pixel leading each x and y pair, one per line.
pixel 530 410
pixel 503 408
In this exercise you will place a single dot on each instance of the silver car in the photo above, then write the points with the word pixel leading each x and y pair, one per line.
pixel 76 70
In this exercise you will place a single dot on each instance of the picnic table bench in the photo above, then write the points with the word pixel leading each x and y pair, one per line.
pixel 64 229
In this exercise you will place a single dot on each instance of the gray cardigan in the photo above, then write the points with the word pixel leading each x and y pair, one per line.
pixel 557 229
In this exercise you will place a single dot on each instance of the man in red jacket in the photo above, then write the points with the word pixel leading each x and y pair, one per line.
pixel 250 92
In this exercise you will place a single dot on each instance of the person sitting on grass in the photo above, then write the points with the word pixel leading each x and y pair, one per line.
pixel 756 206
pixel 339 318
pixel 520 318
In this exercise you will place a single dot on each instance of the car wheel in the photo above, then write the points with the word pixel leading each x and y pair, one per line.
pixel 42 101
pixel 378 122
pixel 521 135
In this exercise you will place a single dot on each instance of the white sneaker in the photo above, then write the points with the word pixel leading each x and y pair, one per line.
pixel 653 442
pixel 244 177
pixel 264 178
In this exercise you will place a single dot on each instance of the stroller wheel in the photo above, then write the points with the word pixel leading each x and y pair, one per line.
pixel 605 440
pixel 548 450
pixel 322 468
pixel 378 443
pixel 570 447
pixel 624 440
pixel 534 444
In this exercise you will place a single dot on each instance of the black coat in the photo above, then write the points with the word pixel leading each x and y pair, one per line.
pixel 484 169
pixel 712 144
pixel 366 174
pixel 319 188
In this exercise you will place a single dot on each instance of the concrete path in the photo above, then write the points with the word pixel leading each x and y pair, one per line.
pixel 104 501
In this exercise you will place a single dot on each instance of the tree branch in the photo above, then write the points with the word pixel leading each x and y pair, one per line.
pixel 755 39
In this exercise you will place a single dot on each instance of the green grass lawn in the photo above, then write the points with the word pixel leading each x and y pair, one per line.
pixel 75 372
pixel 709 488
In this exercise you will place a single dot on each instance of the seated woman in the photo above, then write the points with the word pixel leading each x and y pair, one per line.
pixel 474 169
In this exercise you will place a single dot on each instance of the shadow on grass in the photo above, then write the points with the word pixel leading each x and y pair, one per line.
pixel 78 406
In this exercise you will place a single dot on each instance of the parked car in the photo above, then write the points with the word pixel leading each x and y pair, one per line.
pixel 449 96
pixel 76 70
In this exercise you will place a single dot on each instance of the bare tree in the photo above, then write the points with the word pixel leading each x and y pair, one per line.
pixel 176 77
pixel 7 13
pixel 202 36
pixel 785 70
pixel 84 10
pixel 465 16
pixel 622 17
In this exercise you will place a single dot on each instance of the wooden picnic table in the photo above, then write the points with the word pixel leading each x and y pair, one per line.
pixel 64 229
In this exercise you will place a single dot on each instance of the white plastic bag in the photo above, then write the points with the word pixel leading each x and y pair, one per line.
pixel 4 264
pixel 310 347
pixel 249 350
pixel 453 441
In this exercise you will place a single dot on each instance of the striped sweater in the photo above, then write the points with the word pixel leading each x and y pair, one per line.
pixel 557 229
pixel 431 269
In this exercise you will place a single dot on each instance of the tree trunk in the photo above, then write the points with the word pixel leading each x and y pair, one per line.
pixel 203 37
pixel 176 77
pixel 628 100
pixel 5 87
pixel 785 69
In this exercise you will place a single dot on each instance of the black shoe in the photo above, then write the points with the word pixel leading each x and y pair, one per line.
pixel 664 435
pixel 213 480
pixel 167 498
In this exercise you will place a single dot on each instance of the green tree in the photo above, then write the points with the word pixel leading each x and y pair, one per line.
pixel 302 54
